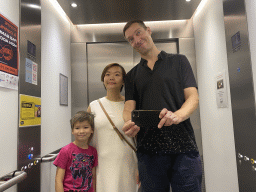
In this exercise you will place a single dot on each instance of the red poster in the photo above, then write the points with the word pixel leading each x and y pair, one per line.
pixel 9 60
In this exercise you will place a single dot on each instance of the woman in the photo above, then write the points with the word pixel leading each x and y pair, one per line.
pixel 117 162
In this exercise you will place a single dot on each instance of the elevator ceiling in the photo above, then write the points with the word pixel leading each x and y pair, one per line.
pixel 117 11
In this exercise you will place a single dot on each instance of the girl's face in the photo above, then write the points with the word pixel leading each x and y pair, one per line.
pixel 113 78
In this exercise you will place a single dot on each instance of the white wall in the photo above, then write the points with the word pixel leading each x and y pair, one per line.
pixel 9 107
pixel 216 123
pixel 55 129
pixel 251 19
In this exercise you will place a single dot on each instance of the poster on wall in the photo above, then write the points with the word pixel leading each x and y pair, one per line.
pixel 9 60
pixel 30 110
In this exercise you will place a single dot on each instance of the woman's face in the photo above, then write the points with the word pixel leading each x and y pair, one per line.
pixel 113 78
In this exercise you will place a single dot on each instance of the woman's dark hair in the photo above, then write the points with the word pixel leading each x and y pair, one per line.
pixel 108 67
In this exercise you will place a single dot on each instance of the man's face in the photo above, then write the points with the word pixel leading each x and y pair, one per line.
pixel 139 38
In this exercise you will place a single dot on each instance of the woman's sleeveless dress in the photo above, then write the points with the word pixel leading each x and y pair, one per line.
pixel 117 162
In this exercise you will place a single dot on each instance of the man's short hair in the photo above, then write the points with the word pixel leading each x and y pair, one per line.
pixel 128 24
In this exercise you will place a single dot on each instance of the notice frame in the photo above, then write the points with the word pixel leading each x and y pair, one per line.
pixel 63 90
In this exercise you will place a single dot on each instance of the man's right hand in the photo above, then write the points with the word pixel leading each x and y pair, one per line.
pixel 130 129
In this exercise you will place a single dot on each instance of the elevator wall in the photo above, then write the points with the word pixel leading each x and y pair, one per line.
pixel 250 7
pixel 216 123
pixel 242 92
pixel 9 107
pixel 55 60
pixel 55 129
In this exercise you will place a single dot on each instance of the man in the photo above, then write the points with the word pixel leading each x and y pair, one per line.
pixel 167 154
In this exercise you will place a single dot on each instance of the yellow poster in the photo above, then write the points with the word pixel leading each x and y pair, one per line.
pixel 30 110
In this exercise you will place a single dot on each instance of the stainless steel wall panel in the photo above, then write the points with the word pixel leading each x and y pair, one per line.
pixel 242 92
pixel 79 77
pixel 30 30
pixel 28 137
pixel 168 46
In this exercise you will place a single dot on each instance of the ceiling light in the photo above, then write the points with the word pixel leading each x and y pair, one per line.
pixel 74 5
pixel 188 0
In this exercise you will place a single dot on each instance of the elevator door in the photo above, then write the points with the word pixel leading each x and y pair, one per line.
pixel 102 54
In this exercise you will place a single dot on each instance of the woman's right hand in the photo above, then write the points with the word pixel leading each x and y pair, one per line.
pixel 130 129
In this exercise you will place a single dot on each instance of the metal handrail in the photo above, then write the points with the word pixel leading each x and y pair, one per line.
pixel 11 179
pixel 47 158
pixel 15 177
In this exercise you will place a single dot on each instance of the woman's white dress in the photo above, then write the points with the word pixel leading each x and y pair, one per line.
pixel 117 162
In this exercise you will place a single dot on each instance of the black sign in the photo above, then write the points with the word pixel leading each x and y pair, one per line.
pixel 9 61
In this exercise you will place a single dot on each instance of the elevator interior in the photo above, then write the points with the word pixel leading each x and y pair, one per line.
pixel 100 45
pixel 178 39
pixel 104 42
pixel 87 39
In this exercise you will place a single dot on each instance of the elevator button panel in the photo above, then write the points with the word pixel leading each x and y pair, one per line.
pixel 246 161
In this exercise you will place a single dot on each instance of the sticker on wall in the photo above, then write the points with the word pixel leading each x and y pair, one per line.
pixel 221 90
pixel 63 90
pixel 8 81
pixel 34 73
pixel 9 59
pixel 31 50
pixel 31 71
pixel 30 111
pixel 28 70
pixel 236 42
pixel 2 79
pixel 12 82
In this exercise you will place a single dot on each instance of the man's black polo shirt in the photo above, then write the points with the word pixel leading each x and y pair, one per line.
pixel 162 87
